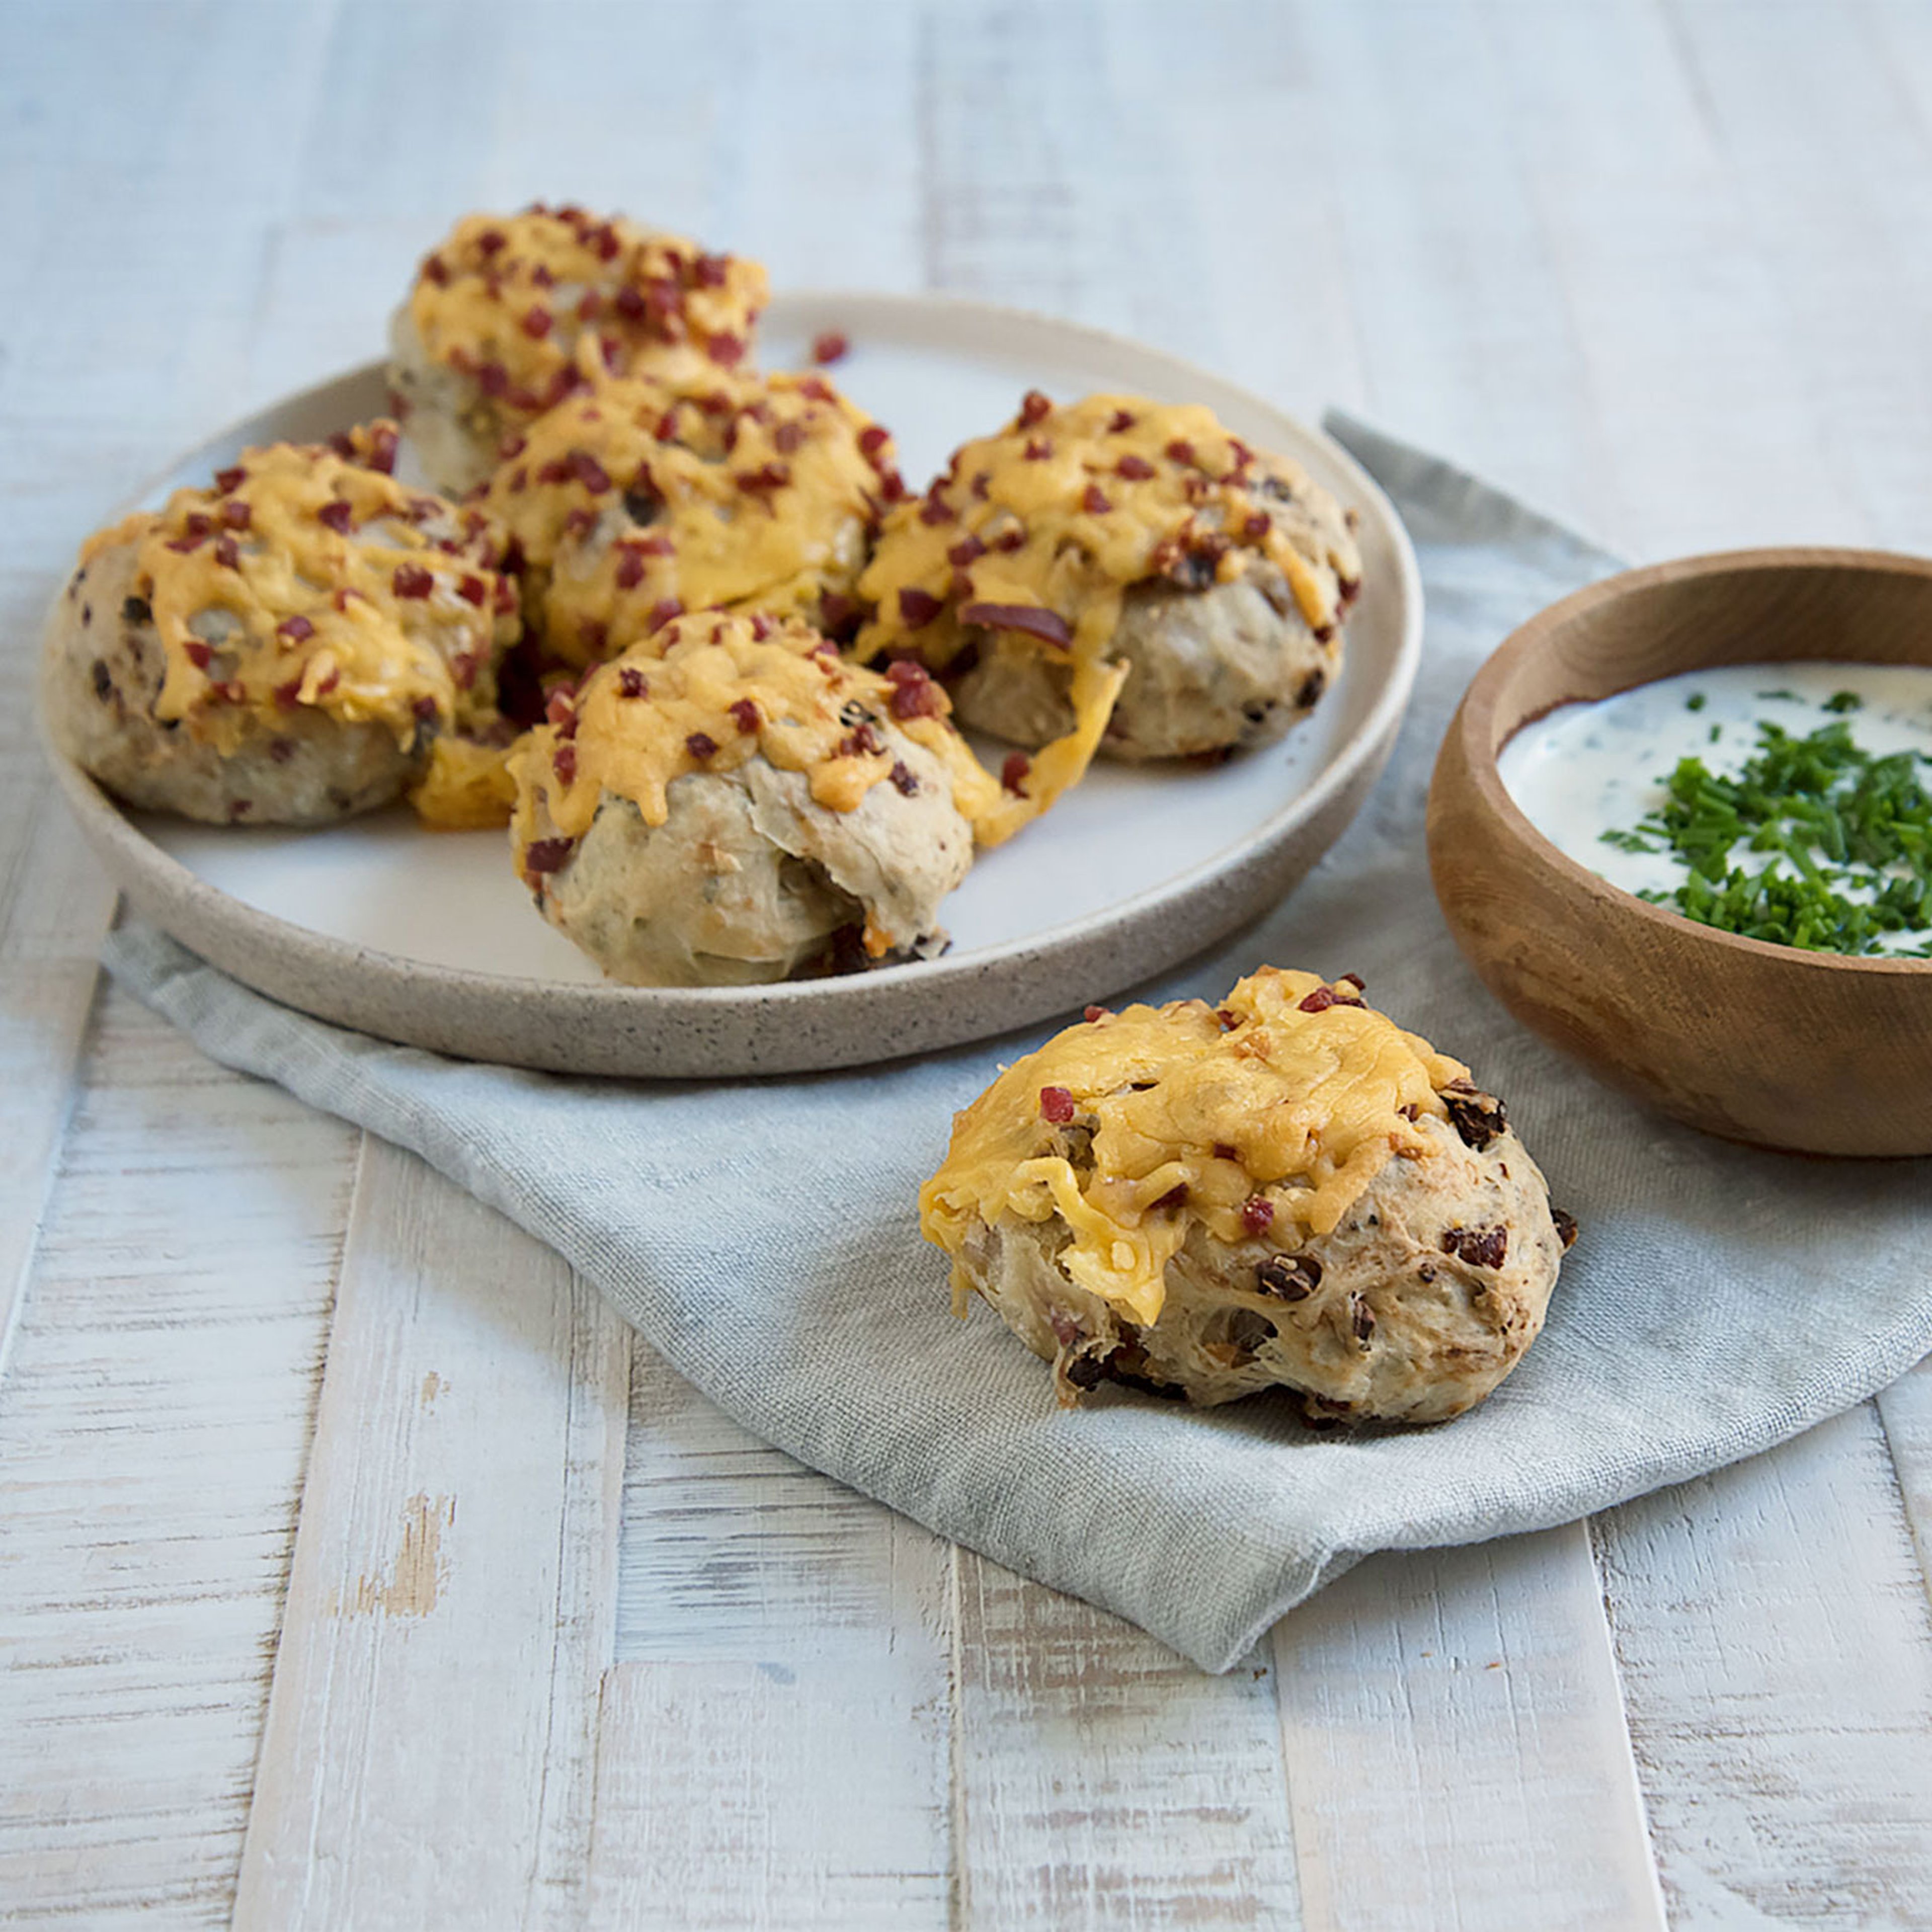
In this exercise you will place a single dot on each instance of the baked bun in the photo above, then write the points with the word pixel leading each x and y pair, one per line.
pixel 284 647
pixel 714 490
pixel 730 803
pixel 1290 1192
pixel 510 314
pixel 1119 534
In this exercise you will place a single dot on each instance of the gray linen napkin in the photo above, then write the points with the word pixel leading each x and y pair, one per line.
pixel 762 1234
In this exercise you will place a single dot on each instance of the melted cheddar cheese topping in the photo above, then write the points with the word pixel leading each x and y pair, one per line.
pixel 1029 542
pixel 706 694
pixel 654 495
pixel 536 305
pixel 1134 1125
pixel 309 576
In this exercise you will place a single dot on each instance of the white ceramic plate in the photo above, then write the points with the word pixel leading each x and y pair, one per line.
pixel 429 938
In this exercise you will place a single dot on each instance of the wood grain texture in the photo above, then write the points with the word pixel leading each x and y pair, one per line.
pixel 153 1426
pixel 1814 1051
pixel 1774 1632
pixel 428 1752
pixel 1463 1704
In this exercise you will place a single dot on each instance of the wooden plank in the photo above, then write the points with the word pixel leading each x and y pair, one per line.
pixel 1456 1747
pixel 153 1427
pixel 430 1737
pixel 1775 1639
pixel 775 1748
pixel 1103 1781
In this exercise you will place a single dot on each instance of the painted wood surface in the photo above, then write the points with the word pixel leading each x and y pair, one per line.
pixel 355 1567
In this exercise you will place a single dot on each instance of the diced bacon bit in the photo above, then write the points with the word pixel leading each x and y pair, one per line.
pixel 339 442
pixel 830 347
pixel 1244 455
pixel 236 514
pixel 604 241
pixel 411 579
pixel 1048 626
pixel 328 684
pixel 473 590
pixel 593 634
pixel 769 476
pixel 1123 420
pixel 226 554
pixel 198 525
pixel 1056 1104
pixel 1013 773
pixel 1324 633
pixel 199 655
pixel 491 241
pixel 893 486
pixel 919 607
pixel 493 380
pixel 382 449
pixel 590 472
pixel 905 782
pixel 536 322
pixel 787 438
pixel 187 546
pixel 632 682
pixel 1257 1214
pixel 225 480
pixel 563 762
pixel 862 741
pixel 1228 1020
pixel 914 694
pixel 547 855
pixel 1181 450
pixel 663 611
pixel 629 302
pixel 1012 539
pixel 560 707
pixel 1135 468
pixel 745 714
pixel 511 447
pixel 701 746
pixel 612 351
pixel 630 567
pixel 437 270
pixel 297 630
pixel 1037 450
pixel 1318 1001
pixel 1174 1200
pixel 835 612
pixel 1354 979
pixel 1256 526
pixel 1034 407
pixel 1348 590
pixel 872 441
pixel 590 307
pixel 935 511
pixel 463 668
pixel 1223 1151
pixel 726 351
pixel 289 694
pixel 709 271
pixel 1093 501
pixel 1094 1015
pixel 968 550
pixel 425 709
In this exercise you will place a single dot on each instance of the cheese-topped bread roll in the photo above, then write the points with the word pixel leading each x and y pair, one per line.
pixel 730 802
pixel 284 647
pixel 657 495
pixel 1118 538
pixel 511 313
pixel 1289 1190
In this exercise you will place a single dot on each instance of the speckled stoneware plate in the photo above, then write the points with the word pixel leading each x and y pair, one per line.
pixel 429 937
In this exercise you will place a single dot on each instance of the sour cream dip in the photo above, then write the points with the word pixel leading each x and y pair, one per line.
pixel 1585 770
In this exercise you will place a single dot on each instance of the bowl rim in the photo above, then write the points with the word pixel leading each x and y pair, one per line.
pixel 1474 729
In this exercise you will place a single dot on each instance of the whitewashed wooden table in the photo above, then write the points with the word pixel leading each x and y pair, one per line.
pixel 357 1567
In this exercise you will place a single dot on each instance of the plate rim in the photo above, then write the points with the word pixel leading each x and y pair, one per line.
pixel 111 829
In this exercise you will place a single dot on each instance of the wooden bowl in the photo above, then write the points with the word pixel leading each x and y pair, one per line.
pixel 1759 1042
